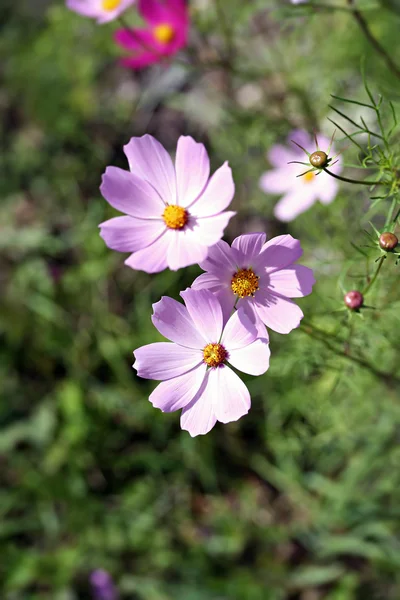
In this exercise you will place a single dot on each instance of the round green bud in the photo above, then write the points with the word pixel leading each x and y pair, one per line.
pixel 319 159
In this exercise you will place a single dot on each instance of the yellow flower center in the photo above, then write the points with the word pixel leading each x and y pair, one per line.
pixel 164 33
pixel 244 283
pixel 309 177
pixel 110 5
pixel 175 217
pixel 214 355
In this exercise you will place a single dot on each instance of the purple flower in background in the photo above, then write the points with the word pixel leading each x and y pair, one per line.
pixel 194 368
pixel 173 214
pixel 259 277
pixel 101 10
pixel 102 585
pixel 299 193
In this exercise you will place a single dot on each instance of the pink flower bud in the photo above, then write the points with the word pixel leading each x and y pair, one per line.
pixel 388 241
pixel 354 300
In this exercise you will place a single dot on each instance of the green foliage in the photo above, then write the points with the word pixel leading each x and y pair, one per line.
pixel 300 499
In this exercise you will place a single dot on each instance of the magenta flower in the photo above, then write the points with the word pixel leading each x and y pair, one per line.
pixel 101 10
pixel 172 214
pixel 193 368
pixel 102 585
pixel 165 34
pixel 299 193
pixel 260 278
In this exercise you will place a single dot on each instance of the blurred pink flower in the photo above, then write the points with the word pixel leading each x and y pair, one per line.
pixel 193 368
pixel 300 193
pixel 165 34
pixel 172 214
pixel 260 277
pixel 101 10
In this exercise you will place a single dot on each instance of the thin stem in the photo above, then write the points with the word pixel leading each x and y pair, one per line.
pixel 391 211
pixel 373 41
pixel 371 283
pixel 351 180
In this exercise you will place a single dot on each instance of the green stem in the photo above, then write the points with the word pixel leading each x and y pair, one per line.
pixel 391 211
pixel 357 181
pixel 371 283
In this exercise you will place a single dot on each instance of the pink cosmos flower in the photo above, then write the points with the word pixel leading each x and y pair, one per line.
pixel 102 10
pixel 259 277
pixel 165 34
pixel 299 193
pixel 172 214
pixel 194 368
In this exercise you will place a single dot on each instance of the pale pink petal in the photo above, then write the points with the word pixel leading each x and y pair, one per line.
pixel 172 320
pixel 249 244
pixel 247 305
pixel 192 167
pixel 83 7
pixel 227 300
pixel 280 252
pixel 208 281
pixel 129 194
pixel 152 259
pixel 252 359
pixel 221 258
pixel 149 160
pixel 184 250
pixel 164 360
pixel 178 392
pixel 293 282
pixel 280 155
pixel 295 203
pixel 128 234
pixel 238 331
pixel 198 417
pixel 278 313
pixel 230 395
pixel 276 181
pixel 327 192
pixel 302 138
pixel 209 230
pixel 217 196
pixel 206 313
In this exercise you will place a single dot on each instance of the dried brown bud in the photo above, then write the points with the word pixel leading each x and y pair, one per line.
pixel 319 159
pixel 388 241
pixel 354 300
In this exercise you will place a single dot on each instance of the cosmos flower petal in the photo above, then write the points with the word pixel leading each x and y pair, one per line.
pixel 217 195
pixel 207 281
pixel 279 155
pixel 96 9
pixel 185 250
pixel 129 194
pixel 173 321
pixel 328 191
pixel 249 244
pixel 206 313
pixel 280 252
pixel 149 160
pixel 192 167
pixel 178 392
pixel 294 203
pixel 275 182
pixel 238 331
pixel 209 230
pixel 128 234
pixel 247 305
pixel 276 312
pixel 198 417
pixel 153 258
pixel 155 11
pixel 221 258
pixel 165 360
pixel 252 359
pixel 141 40
pixel 293 282
pixel 231 396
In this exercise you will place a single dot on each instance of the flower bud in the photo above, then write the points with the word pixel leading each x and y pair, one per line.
pixel 354 300
pixel 319 159
pixel 388 241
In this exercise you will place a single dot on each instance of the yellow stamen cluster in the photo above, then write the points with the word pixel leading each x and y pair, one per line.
pixel 164 33
pixel 214 355
pixel 175 217
pixel 309 177
pixel 244 283
pixel 110 5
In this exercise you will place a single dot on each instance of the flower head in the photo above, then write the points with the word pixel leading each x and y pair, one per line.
pixel 166 33
pixel 101 10
pixel 259 277
pixel 173 214
pixel 299 193
pixel 194 369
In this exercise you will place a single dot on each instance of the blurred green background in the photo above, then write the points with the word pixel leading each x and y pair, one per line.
pixel 299 500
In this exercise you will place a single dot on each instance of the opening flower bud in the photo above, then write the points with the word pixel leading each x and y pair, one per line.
pixel 388 241
pixel 319 159
pixel 354 300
